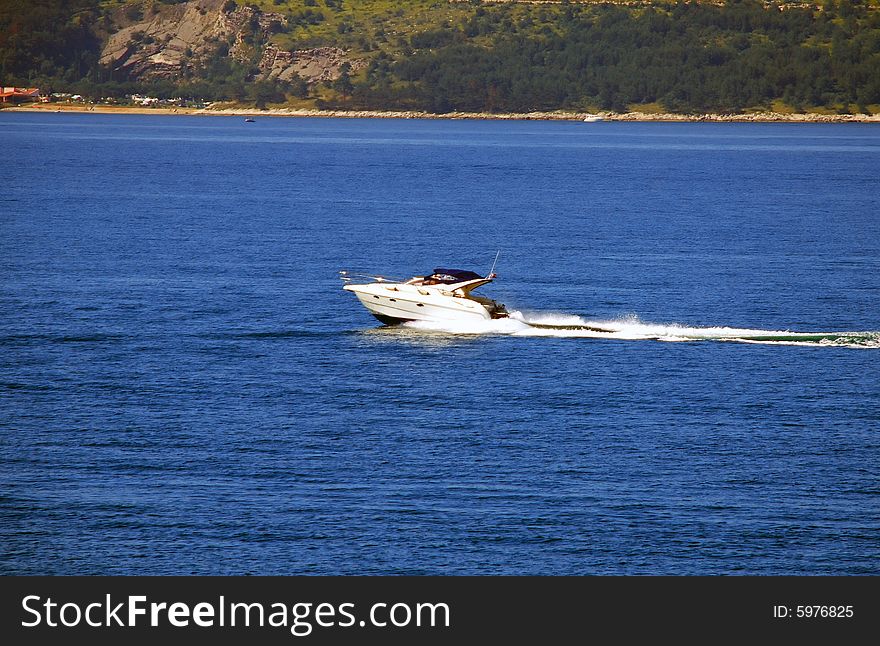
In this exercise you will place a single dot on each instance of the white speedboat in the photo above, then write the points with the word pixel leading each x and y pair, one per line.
pixel 445 295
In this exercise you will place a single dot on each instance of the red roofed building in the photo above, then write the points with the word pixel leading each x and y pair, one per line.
pixel 20 94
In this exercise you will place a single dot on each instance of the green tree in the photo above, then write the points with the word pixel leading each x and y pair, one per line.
pixel 264 92
pixel 343 85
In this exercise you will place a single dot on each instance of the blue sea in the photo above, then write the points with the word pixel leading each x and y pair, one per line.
pixel 186 389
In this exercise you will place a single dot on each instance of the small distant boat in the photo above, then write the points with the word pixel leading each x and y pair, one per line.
pixel 249 120
pixel 592 118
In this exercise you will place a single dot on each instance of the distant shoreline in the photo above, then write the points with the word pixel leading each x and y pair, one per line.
pixel 756 117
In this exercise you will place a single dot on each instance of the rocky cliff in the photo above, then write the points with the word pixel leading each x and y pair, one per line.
pixel 171 41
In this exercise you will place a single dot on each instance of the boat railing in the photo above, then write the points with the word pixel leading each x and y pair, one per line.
pixel 347 276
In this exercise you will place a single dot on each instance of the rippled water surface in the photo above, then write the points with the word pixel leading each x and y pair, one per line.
pixel 184 387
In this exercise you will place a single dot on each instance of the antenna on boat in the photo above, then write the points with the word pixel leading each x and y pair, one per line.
pixel 494 262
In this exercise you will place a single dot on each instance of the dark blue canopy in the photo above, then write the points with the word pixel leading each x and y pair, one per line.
pixel 453 275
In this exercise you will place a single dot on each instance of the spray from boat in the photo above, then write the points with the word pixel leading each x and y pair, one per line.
pixel 632 328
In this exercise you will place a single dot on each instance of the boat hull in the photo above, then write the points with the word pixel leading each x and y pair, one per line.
pixel 399 303
pixel 389 320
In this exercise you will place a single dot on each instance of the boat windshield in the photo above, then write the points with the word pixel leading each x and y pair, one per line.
pixel 445 276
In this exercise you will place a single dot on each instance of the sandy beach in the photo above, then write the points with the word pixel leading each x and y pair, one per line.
pixel 768 117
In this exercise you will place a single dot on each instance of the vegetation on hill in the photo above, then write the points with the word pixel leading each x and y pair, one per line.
pixel 442 56
pixel 48 39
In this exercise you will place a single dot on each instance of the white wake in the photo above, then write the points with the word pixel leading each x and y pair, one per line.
pixel 631 328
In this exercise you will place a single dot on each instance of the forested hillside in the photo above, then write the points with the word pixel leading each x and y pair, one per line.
pixel 444 56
